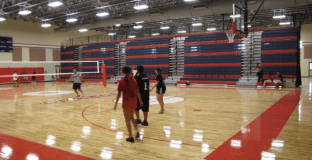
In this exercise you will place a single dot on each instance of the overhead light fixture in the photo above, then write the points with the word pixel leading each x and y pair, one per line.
pixel 102 12
pixel 55 3
pixel 24 12
pixel 138 27
pixel 83 30
pixel 139 22
pixel 196 24
pixel 164 27
pixel 279 17
pixel 182 31
pixel 140 5
pixel 284 23
pixel 249 26
pixel 190 0
pixel 2 19
pixel 45 25
pixel 118 25
pixel 235 16
pixel 111 33
pixel 131 36
pixel 71 20
pixel 211 29
pixel 155 34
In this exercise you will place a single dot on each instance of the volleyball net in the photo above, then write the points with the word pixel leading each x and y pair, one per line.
pixel 51 71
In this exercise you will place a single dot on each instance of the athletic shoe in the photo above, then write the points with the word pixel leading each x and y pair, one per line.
pixel 138 121
pixel 160 112
pixel 130 139
pixel 78 95
pixel 137 135
pixel 145 123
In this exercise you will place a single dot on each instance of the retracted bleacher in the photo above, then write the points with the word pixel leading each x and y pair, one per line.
pixel 210 59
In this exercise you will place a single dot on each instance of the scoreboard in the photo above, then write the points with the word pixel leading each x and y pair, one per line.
pixel 6 44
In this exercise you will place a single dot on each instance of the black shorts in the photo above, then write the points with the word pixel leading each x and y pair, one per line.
pixel 161 90
pixel 33 77
pixel 77 86
pixel 145 99
pixel 16 81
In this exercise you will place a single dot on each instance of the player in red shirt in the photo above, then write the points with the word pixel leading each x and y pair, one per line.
pixel 269 80
pixel 130 92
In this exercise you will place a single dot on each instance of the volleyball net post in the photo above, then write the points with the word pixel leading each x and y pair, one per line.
pixel 104 75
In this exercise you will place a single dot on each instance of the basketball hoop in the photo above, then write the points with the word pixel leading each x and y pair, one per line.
pixel 230 36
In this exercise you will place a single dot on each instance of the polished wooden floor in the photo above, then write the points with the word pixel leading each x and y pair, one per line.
pixel 190 129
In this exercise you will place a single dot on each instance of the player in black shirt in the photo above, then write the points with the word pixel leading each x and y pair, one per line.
pixel 161 90
pixel 143 83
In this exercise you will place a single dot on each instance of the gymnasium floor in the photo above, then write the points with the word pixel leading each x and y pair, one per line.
pixel 199 122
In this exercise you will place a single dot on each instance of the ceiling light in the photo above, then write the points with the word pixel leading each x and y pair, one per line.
pixel 155 34
pixel 117 25
pixel 235 16
pixel 83 30
pixel 2 19
pixel 182 31
pixel 139 22
pixel 55 3
pixel 211 29
pixel 190 0
pixel 279 17
pixel 45 25
pixel 131 36
pixel 24 12
pixel 102 14
pixel 197 24
pixel 71 20
pixel 164 27
pixel 249 26
pixel 138 27
pixel 285 23
pixel 140 6
pixel 111 33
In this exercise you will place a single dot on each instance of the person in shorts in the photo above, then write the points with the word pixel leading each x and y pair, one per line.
pixel 160 90
pixel 15 79
pixel 76 77
pixel 143 83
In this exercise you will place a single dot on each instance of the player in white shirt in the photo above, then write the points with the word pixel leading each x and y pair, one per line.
pixel 15 79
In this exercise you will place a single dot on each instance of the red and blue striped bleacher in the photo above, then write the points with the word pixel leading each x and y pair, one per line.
pixel 67 54
pixel 211 59
pixel 151 53
pixel 279 51
pixel 98 52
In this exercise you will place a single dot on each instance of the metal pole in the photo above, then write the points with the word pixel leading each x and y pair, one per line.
pixel 223 22
pixel 245 9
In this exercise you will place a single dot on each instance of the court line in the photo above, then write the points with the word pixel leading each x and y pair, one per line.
pixel 260 132
pixel 236 88
pixel 151 138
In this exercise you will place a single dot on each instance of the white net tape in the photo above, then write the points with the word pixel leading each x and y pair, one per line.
pixel 32 64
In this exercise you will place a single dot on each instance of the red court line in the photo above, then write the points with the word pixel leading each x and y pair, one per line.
pixel 260 132
pixel 211 42
pixel 21 148
pixel 97 50
pixel 280 64
pixel 279 39
pixel 148 56
pixel 148 46
pixel 279 51
pixel 214 65
pixel 98 58
pixel 212 53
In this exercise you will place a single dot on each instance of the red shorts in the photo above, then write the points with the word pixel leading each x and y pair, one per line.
pixel 129 104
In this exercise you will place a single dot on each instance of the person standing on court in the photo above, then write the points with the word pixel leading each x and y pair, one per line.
pixel 33 78
pixel 15 79
pixel 143 83
pixel 130 93
pixel 77 78
pixel 160 91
